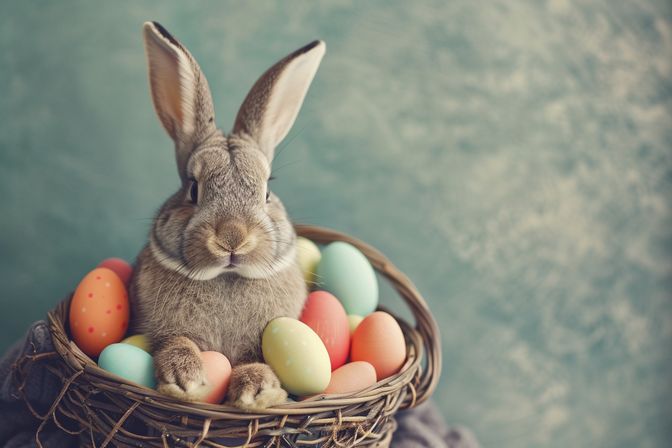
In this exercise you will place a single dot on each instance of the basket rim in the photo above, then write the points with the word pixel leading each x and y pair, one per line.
pixel 423 341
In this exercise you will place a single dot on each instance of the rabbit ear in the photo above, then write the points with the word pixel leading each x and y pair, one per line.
pixel 180 91
pixel 269 110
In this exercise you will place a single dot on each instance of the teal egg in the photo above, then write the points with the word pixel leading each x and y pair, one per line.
pixel 129 362
pixel 346 273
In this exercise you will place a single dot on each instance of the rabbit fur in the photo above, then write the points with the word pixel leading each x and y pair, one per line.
pixel 220 261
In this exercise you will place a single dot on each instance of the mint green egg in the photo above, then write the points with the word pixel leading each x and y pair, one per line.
pixel 129 362
pixel 346 273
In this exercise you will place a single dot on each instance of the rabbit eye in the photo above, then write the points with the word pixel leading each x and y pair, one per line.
pixel 193 191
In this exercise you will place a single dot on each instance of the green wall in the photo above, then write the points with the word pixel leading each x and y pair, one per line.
pixel 512 157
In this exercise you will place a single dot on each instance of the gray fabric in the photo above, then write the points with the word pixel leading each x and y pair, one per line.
pixel 17 424
pixel 422 427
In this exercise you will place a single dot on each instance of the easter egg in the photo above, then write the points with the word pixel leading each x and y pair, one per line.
pixel 351 377
pixel 129 362
pixel 379 341
pixel 346 273
pixel 353 321
pixel 99 311
pixel 326 316
pixel 308 255
pixel 297 356
pixel 140 341
pixel 120 267
pixel 218 374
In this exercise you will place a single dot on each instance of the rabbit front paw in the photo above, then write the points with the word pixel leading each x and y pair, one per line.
pixel 255 386
pixel 179 370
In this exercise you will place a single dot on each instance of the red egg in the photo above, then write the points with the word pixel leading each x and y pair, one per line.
pixel 99 311
pixel 326 316
pixel 120 267
pixel 218 373
pixel 351 377
pixel 378 340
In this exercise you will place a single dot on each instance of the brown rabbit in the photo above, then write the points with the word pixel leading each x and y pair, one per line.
pixel 221 259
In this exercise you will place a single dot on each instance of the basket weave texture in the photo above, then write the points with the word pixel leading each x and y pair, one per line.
pixel 105 410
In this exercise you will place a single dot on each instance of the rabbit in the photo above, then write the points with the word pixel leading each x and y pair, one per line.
pixel 220 261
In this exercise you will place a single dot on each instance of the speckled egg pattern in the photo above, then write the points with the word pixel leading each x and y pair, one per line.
pixel 99 311
pixel 297 355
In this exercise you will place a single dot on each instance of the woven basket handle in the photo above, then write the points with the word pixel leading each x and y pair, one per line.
pixel 424 322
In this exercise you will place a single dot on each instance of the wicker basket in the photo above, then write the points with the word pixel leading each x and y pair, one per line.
pixel 105 410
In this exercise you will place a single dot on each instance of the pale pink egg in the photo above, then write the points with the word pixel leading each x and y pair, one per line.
pixel 218 374
pixel 351 377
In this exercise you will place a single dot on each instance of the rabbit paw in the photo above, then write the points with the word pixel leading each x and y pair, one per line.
pixel 255 386
pixel 179 370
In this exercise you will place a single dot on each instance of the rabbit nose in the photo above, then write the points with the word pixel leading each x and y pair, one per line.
pixel 231 235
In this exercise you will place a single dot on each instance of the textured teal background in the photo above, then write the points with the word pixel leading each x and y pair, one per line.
pixel 514 158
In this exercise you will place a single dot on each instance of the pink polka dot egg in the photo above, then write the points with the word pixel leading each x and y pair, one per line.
pixel 99 311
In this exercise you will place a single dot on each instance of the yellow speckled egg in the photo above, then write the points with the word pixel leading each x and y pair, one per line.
pixel 99 311
pixel 309 256
pixel 297 355
pixel 138 340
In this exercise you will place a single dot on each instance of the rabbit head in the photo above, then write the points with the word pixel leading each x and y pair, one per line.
pixel 224 218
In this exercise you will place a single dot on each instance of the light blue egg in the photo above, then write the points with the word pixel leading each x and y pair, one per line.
pixel 129 362
pixel 346 273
